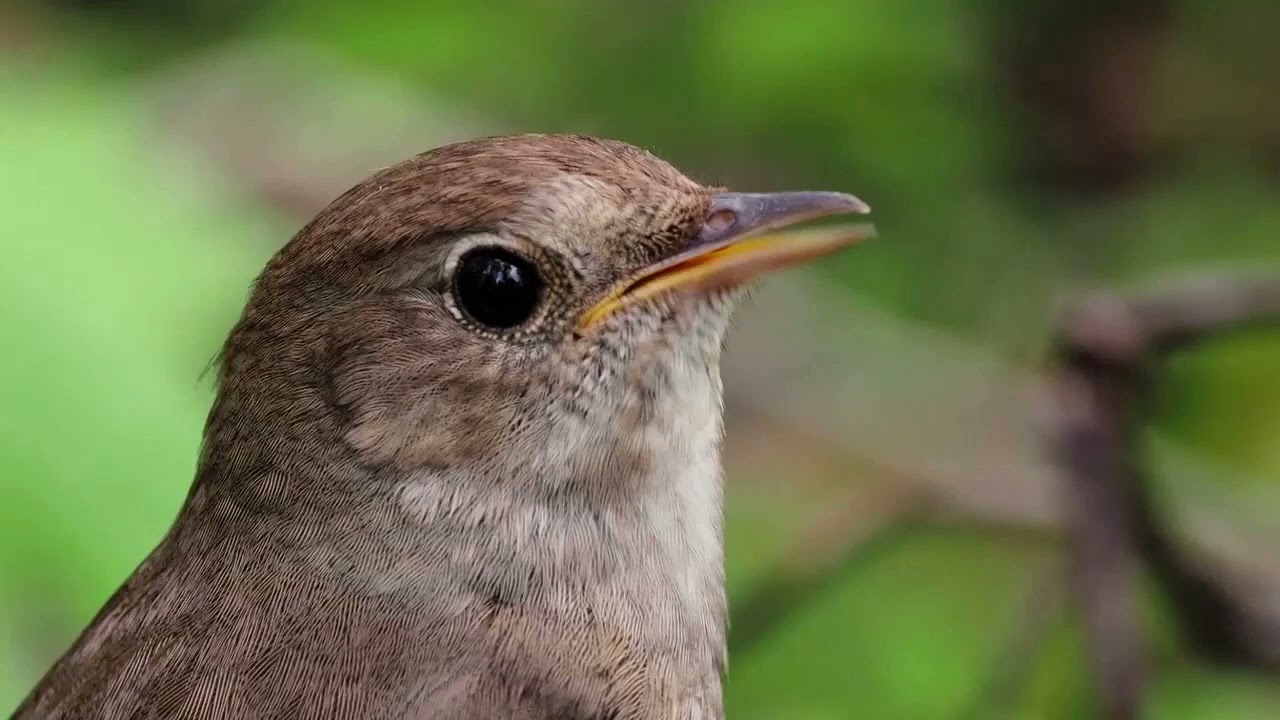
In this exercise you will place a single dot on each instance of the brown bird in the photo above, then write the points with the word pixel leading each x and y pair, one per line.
pixel 463 461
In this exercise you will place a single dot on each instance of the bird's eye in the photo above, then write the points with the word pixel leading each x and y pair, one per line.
pixel 496 288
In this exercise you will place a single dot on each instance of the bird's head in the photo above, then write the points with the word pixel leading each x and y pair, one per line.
pixel 537 307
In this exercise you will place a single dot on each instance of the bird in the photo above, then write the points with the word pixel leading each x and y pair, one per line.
pixel 463 461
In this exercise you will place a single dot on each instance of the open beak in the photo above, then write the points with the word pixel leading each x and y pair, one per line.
pixel 736 245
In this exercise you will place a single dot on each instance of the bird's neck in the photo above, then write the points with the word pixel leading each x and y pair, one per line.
pixel 620 597
pixel 594 556
pixel 620 572
pixel 613 577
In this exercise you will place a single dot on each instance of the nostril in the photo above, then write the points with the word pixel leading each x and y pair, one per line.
pixel 721 220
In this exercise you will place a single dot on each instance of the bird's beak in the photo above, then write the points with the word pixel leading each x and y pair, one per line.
pixel 736 245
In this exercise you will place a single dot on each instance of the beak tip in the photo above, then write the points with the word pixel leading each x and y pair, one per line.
pixel 855 204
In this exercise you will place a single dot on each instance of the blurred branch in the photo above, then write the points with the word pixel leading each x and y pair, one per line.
pixel 1107 347
pixel 280 119
pixel 953 417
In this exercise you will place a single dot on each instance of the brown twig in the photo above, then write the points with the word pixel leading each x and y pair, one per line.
pixel 1107 347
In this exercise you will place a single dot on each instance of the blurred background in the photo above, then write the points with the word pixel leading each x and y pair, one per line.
pixel 900 532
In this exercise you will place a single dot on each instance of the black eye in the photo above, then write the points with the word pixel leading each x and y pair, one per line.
pixel 496 288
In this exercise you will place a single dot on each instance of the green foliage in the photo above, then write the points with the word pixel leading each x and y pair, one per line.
pixel 881 644
pixel 99 377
